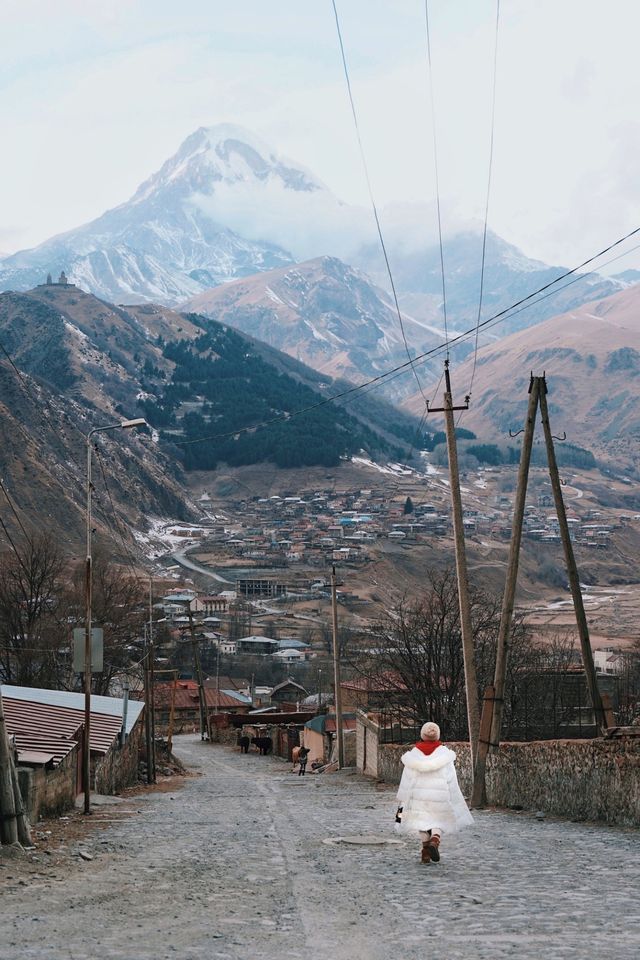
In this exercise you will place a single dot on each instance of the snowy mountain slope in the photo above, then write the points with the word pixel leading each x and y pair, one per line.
pixel 509 276
pixel 227 206
pixel 322 312
pixel 166 243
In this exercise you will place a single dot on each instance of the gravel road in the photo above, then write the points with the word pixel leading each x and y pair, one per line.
pixel 233 865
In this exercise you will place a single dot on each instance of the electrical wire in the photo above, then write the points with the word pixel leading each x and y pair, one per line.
pixel 486 208
pixel 386 376
pixel 372 199
pixel 435 164
pixel 15 513
pixel 130 559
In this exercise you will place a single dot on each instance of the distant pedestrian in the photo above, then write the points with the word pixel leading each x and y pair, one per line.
pixel 430 800
pixel 302 760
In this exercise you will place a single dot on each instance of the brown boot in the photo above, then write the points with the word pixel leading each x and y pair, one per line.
pixel 432 846
pixel 426 856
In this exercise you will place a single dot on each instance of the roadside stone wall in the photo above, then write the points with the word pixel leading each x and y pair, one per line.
pixel 576 779
pixel 581 779
pixel 48 793
pixel 119 768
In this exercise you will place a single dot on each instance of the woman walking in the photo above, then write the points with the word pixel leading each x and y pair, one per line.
pixel 430 800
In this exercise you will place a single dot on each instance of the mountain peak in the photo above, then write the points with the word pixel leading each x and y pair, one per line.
pixel 225 154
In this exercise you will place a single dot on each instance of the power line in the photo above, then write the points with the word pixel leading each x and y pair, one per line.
pixel 486 208
pixel 15 512
pixel 523 303
pixel 128 554
pixel 371 197
pixel 435 164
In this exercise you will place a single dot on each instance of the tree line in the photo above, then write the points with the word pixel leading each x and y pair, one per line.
pixel 233 388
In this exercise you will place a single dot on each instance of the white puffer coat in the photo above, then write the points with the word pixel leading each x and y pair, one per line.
pixel 429 793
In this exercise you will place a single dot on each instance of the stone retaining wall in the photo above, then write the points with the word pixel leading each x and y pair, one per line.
pixel 576 779
pixel 49 793
pixel 119 767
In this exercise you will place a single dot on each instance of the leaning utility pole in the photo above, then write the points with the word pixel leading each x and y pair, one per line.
pixel 572 570
pixel 506 616
pixel 495 701
pixel 8 812
pixel 336 670
pixel 471 685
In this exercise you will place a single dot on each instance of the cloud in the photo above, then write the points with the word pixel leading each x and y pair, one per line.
pixel 307 224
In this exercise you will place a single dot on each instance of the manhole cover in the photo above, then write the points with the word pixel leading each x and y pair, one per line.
pixel 364 841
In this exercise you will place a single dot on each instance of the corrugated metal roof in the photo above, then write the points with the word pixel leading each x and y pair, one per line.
pixel 39 728
pixel 38 725
pixel 35 757
pixel 326 723
pixel 112 706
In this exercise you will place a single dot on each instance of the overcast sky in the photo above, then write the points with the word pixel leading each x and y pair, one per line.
pixel 94 96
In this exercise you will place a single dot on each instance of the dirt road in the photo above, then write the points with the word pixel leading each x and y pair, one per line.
pixel 233 865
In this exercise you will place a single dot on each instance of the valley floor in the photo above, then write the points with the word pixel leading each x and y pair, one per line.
pixel 233 865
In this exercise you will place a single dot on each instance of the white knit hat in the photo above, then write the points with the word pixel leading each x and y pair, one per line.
pixel 430 731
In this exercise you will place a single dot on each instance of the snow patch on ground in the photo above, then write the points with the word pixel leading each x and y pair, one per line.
pixel 391 469
pixel 158 540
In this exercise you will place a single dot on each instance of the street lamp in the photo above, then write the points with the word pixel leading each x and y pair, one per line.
pixel 86 761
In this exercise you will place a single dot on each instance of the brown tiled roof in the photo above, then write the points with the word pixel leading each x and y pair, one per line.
pixel 186 696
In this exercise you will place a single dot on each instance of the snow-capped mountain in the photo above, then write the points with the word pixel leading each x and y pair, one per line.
pixel 176 236
pixel 227 206
pixel 509 276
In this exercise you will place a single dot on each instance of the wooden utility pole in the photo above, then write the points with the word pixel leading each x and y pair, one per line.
pixel 506 615
pixel 22 820
pixel 8 813
pixel 148 693
pixel 152 680
pixel 336 670
pixel 204 720
pixel 537 397
pixel 473 712
pixel 572 570
pixel 479 790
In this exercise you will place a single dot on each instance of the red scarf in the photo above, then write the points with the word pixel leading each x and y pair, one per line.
pixel 428 746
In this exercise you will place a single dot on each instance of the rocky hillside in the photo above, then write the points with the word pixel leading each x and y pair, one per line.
pixel 78 362
pixel 591 357
pixel 323 312
pixel 509 276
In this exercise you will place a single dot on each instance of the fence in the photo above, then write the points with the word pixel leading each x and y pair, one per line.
pixel 548 705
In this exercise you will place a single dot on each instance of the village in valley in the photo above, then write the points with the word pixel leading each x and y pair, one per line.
pixel 319 472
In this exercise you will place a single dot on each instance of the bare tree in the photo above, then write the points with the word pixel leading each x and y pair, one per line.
pixel 417 661
pixel 120 608
pixel 33 646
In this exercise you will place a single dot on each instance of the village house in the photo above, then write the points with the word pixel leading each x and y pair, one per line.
pixel 47 727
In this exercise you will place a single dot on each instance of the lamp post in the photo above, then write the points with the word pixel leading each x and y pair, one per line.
pixel 86 761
